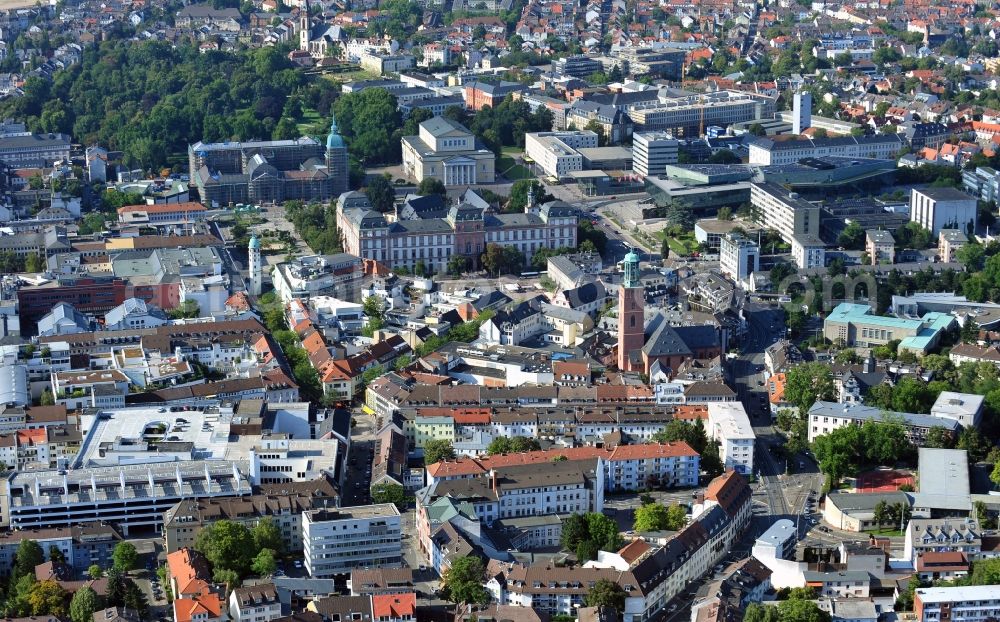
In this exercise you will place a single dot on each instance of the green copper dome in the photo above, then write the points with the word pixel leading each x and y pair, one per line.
pixel 333 139
pixel 254 243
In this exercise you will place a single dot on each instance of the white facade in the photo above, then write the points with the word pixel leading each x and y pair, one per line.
pixel 279 458
pixel 801 112
pixel 256 269
pixel 808 251
pixel 728 423
pixel 967 603
pixel 738 257
pixel 767 152
pixel 335 541
pixel 556 152
pixel 652 152
pixel 254 604
pixel 935 209
pixel 784 211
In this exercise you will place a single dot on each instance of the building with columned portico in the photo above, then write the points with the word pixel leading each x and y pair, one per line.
pixel 448 151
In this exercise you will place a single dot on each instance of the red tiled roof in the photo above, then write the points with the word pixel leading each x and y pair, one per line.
pixel 394 606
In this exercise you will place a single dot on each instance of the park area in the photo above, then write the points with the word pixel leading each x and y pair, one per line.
pixel 508 167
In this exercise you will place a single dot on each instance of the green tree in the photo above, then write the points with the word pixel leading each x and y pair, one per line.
pixel 226 545
pixel 464 581
pixel 431 185
pixel 974 442
pixel 519 194
pixel 389 493
pixel 679 430
pixel 971 256
pixel 606 593
pixel 95 572
pixel 267 535
pixel 29 554
pixel 515 444
pixel 56 555
pixel 186 310
pixel 755 612
pixel 34 263
pixel 264 564
pixel 368 120
pixel 586 550
pixel 124 556
pixel 940 438
pixel 651 517
pixel 995 474
pixel 574 531
pixel 881 512
pixel 46 399
pixel 852 237
pixel 603 531
pixel 458 265
pixel 436 450
pixel 807 383
pixel 381 194
pixel 83 605
pixel 47 598
pixel 801 610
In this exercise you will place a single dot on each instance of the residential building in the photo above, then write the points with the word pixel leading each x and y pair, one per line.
pixel 195 598
pixel 880 246
pixel 808 251
pixel 336 541
pixel 615 125
pixel 394 607
pixel 254 603
pixel 857 326
pixel 183 521
pixel 979 603
pixel 935 209
pixel 82 544
pixel 372 581
pixel 479 93
pixel 780 539
pixel 652 152
pixel 739 257
pixel 769 152
pixel 934 566
pixel 825 417
pixel 937 535
pixel 729 424
pixel 557 152
pixel 949 242
pixel 447 151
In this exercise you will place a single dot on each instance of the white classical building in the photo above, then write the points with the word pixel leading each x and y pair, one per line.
pixel 446 150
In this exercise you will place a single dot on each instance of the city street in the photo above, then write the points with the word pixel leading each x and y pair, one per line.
pixel 357 482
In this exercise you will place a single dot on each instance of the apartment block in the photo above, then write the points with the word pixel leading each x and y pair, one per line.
pixel 978 603
pixel 336 541
pixel 949 242
pixel 880 246
pixel 254 603
pixel 557 152
pixel 729 424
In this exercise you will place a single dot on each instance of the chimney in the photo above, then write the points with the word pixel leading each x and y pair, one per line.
pixel 493 480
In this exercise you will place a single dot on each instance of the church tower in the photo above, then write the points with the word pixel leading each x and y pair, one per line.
pixel 256 270
pixel 305 27
pixel 631 327
pixel 336 161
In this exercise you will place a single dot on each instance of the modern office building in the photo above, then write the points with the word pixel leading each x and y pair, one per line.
pixel 336 541
pixel 978 603
pixel 687 115
pixel 982 182
pixel 577 66
pixel 858 326
pixel 785 212
pixel 767 151
pixel 447 151
pixel 652 152
pixel 935 209
pixel 739 257
pixel 557 153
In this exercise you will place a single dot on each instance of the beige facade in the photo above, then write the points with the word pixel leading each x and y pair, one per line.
pixel 949 241
pixel 447 151
pixel 880 246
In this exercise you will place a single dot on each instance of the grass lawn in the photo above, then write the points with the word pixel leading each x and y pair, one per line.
pixel 309 118
pixel 885 532
pixel 682 245
pixel 509 169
